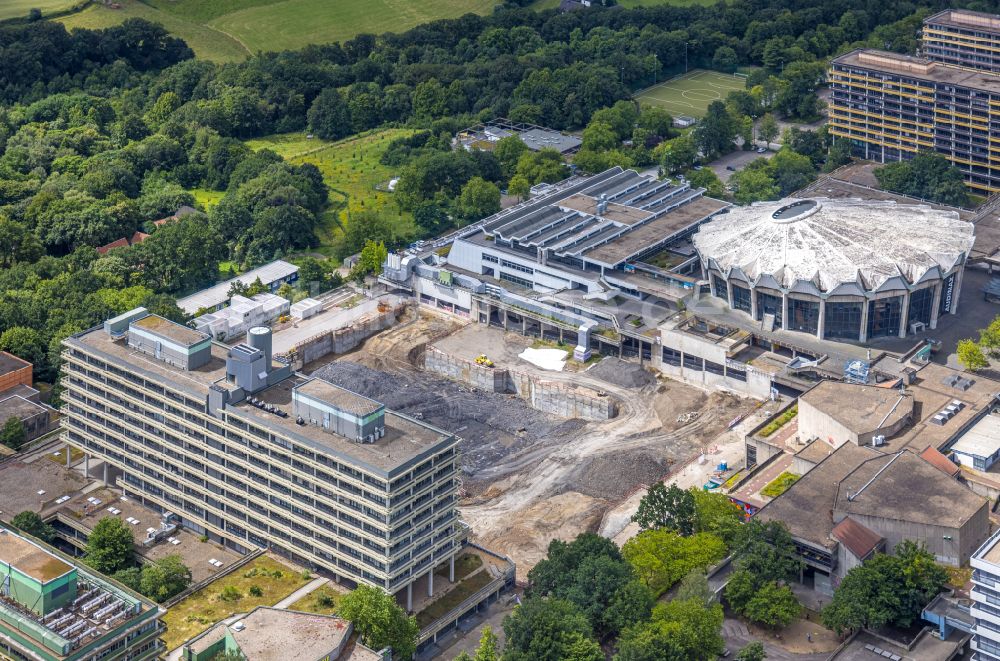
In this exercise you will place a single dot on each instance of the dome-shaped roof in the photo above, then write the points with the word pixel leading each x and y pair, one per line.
pixel 830 242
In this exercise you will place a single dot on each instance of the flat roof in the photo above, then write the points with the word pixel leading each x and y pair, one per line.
pixel 30 559
pixel 655 231
pixel 405 439
pixel 982 439
pixel 170 330
pixel 217 294
pixel 917 68
pixel 267 634
pixel 859 408
pixel 815 451
pixel 966 19
pixel 341 398
pixel 9 363
pixel 537 139
pixel 16 406
pixel 195 380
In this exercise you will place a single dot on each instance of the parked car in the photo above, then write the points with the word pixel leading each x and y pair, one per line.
pixel 731 168
pixel 761 150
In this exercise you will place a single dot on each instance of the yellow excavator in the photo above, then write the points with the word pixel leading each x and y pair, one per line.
pixel 481 359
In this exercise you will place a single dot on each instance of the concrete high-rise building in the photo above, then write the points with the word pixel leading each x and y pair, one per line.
pixel 963 38
pixel 986 600
pixel 892 106
pixel 54 609
pixel 255 456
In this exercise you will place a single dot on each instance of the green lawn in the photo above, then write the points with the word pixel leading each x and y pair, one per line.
pixel 690 93
pixel 207 198
pixel 313 602
pixel 227 30
pixel 207 42
pixel 20 8
pixel 206 607
pixel 351 169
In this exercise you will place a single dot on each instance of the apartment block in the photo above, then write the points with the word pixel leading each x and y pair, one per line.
pixel 986 600
pixel 254 456
pixel 892 106
pixel 54 609
pixel 963 38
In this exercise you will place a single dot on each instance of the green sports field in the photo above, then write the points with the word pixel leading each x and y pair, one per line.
pixel 690 93
pixel 227 30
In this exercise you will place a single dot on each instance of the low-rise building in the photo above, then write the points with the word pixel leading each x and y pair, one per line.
pixel 14 372
pixel 55 609
pixel 270 634
pixel 241 315
pixel 888 497
pixel 214 298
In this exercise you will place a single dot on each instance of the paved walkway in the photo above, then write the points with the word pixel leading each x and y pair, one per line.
pixel 737 635
pixel 309 587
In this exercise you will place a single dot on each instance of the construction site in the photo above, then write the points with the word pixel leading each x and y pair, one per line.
pixel 551 455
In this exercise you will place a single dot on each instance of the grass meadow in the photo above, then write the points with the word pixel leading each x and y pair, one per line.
pixel 230 30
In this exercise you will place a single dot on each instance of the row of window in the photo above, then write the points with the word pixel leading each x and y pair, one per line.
pixel 169 468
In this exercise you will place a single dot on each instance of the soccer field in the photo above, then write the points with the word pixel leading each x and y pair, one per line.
pixel 690 93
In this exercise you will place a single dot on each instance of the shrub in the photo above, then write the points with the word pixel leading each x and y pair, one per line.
pixel 230 593
pixel 255 591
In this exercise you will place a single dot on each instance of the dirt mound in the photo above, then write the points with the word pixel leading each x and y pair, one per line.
pixel 613 476
pixel 621 373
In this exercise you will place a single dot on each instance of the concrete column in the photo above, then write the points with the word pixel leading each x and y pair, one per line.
pixel 430 582
pixel 821 324
pixel 958 290
pixel 935 305
pixel 451 569
pixel 67 456
pixel 86 465
pixel 505 320
pixel 784 311
pixel 904 314
pixel 729 292
pixel 864 320
pixel 560 335
pixel 753 303
pixel 524 325
pixel 105 472
pixel 409 598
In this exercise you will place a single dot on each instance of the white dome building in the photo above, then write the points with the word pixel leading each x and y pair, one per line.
pixel 842 269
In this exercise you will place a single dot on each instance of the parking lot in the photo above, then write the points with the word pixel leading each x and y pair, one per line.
pixel 736 160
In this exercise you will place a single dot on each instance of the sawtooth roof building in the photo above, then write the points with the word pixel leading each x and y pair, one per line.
pixel 837 269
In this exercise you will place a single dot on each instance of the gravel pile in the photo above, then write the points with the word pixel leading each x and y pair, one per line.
pixel 492 426
pixel 613 476
pixel 621 373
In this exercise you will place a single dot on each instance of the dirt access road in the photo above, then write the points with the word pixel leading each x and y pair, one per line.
pixel 538 477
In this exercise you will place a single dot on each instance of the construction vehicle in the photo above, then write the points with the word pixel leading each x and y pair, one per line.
pixel 481 359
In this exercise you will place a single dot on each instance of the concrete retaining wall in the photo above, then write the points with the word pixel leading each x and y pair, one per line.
pixel 543 395
pixel 342 340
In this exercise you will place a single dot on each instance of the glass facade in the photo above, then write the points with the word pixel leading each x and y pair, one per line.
pixel 768 304
pixel 741 298
pixel 843 320
pixel 720 288
pixel 883 317
pixel 921 302
pixel 803 315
